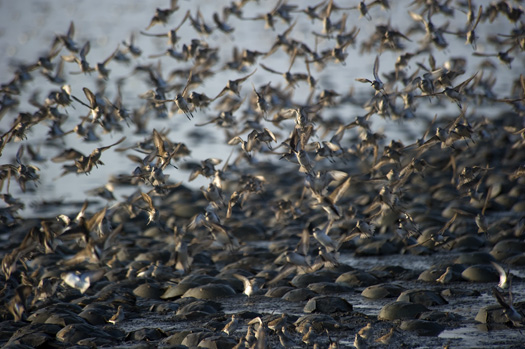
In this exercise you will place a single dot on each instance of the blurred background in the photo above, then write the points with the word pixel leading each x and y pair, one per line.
pixel 28 29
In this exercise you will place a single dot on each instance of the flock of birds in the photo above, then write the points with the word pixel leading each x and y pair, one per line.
pixel 299 164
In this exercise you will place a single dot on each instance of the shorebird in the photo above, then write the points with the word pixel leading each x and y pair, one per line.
pixel 231 326
pixel 180 99
pixel 305 164
pixel 447 276
pixel 162 15
pixel 285 340
pixel 103 72
pixel 153 213
pixel 512 314
pixel 307 338
pixel 278 324
pixel 134 50
pixel 118 316
pixel 282 41
pixel 180 257
pixel 311 11
pixel 321 235
pixel 471 35
pixel 377 84
pixel 199 100
pixel 199 25
pixel 17 306
pixel 85 164
pixel 207 168
pixel 58 77
pixel 81 59
pixel 248 145
pixel 434 35
pixel 172 34
pixel 82 281
pixel 291 78
pixel 260 102
pixel 360 342
pixel 260 334
pixel 504 279
pixel 234 85
pixel 363 10
pixel 213 194
pixel 249 338
pixel 366 332
pixel 329 202
pixel 221 24
pixel 279 10
pixel 25 173
pixel 329 27
pixel 96 105
pixel 67 39
pixel 61 98
pixel 503 56
pixel 454 93
pixel 251 285
pixel 387 338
